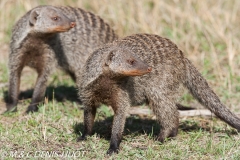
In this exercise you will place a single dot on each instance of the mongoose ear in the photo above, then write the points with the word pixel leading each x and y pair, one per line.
pixel 109 58
pixel 33 16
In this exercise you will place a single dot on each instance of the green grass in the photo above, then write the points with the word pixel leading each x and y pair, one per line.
pixel 57 125
pixel 4 74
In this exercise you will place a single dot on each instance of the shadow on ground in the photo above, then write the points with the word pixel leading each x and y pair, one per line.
pixel 136 126
pixel 59 93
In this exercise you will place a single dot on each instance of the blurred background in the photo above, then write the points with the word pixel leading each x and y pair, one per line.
pixel 206 31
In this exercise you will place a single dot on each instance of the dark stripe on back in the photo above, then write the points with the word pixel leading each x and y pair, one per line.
pixel 84 15
pixel 154 56
pixel 108 32
pixel 93 20
pixel 114 36
pixel 141 40
pixel 102 25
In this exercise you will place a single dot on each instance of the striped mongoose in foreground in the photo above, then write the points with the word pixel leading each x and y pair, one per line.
pixel 100 83
pixel 41 40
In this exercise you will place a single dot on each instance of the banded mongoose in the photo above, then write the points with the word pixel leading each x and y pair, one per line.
pixel 41 40
pixel 99 83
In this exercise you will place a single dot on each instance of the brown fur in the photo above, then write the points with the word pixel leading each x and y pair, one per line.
pixel 41 40
pixel 160 88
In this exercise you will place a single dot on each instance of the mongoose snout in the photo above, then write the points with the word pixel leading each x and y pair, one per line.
pixel 137 72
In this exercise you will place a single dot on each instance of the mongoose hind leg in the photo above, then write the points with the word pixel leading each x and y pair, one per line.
pixel 169 125
pixel 89 116
pixel 167 116
pixel 167 133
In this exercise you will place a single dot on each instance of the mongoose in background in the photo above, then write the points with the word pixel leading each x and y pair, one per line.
pixel 41 40
pixel 100 83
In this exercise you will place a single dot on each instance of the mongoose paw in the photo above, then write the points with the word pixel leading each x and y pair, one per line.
pixel 164 139
pixel 160 138
pixel 31 109
pixel 81 138
pixel 11 108
pixel 112 151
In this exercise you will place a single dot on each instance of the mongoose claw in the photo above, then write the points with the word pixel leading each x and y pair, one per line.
pixel 81 138
pixel 160 139
pixel 11 108
pixel 112 151
pixel 31 109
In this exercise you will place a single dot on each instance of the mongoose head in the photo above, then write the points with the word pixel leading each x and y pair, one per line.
pixel 48 19
pixel 124 63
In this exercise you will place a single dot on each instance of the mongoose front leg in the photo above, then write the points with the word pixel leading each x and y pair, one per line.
pixel 120 107
pixel 40 87
pixel 14 83
pixel 89 116
pixel 16 65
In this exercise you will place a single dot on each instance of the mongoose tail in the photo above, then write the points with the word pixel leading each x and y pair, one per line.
pixel 199 88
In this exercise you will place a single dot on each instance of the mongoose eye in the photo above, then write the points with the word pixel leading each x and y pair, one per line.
pixel 55 18
pixel 131 61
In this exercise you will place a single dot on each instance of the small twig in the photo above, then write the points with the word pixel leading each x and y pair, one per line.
pixel 3 85
pixel 187 113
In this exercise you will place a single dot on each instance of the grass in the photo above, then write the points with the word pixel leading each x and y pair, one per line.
pixel 57 125
pixel 207 32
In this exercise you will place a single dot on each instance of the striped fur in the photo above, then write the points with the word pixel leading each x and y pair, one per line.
pixel 44 51
pixel 160 88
